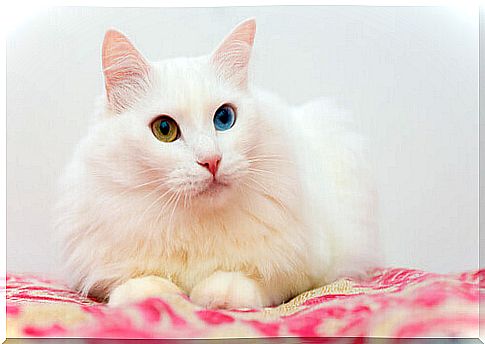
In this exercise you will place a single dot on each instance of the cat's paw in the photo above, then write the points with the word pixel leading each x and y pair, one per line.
pixel 229 290
pixel 138 289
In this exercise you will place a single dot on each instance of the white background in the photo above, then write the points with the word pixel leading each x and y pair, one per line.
pixel 410 75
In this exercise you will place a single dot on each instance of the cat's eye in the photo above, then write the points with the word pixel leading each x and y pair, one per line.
pixel 165 129
pixel 224 117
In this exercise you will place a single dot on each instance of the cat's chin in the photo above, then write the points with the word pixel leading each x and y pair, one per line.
pixel 215 194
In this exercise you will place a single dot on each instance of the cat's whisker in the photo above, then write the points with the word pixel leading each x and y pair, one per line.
pixel 157 189
pixel 158 169
pixel 265 173
pixel 271 198
pixel 166 225
pixel 253 146
pixel 275 162
pixel 263 158
pixel 261 170
pixel 268 156
pixel 173 198
pixel 266 192
pixel 189 196
pixel 155 181
pixel 259 184
pixel 175 204
pixel 166 204
pixel 185 197
pixel 166 228
pixel 173 201
pixel 154 202
pixel 138 187
pixel 267 159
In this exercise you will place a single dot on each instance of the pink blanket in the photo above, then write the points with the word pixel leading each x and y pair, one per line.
pixel 391 303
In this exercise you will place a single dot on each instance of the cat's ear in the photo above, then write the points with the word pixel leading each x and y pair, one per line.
pixel 126 71
pixel 231 58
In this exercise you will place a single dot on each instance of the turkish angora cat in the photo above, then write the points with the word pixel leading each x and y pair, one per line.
pixel 192 180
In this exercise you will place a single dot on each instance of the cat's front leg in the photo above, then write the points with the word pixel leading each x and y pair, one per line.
pixel 137 289
pixel 229 290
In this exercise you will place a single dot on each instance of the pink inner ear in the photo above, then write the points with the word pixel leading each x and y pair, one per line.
pixel 232 56
pixel 242 34
pixel 122 65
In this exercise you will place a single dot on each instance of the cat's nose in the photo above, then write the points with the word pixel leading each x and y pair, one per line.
pixel 211 163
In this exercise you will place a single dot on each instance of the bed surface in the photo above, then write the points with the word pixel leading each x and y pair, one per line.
pixel 391 302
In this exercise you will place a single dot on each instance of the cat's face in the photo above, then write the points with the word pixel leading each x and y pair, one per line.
pixel 185 132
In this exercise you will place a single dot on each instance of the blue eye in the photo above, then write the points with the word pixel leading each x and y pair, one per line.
pixel 224 118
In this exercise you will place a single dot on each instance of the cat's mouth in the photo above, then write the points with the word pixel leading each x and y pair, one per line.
pixel 213 188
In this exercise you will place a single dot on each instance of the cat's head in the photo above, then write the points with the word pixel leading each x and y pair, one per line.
pixel 184 131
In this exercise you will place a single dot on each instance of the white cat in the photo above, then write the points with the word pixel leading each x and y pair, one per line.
pixel 192 180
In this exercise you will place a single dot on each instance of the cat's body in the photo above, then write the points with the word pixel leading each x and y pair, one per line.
pixel 289 204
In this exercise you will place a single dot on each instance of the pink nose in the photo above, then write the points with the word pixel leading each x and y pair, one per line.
pixel 211 163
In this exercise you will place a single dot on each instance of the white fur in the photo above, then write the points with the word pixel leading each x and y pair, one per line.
pixel 298 211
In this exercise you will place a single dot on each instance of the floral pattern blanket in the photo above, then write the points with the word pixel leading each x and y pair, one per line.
pixel 390 303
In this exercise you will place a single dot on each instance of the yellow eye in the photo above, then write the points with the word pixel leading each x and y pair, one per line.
pixel 165 129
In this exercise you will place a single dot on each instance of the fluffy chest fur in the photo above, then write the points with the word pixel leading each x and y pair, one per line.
pixel 261 234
